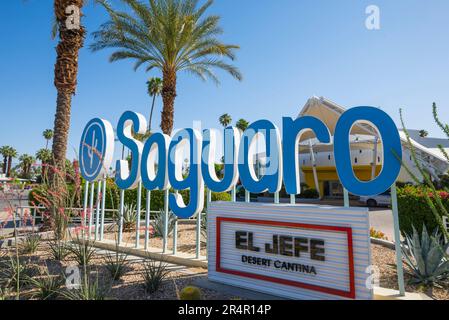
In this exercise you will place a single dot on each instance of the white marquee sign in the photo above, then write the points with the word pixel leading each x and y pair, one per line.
pixel 291 251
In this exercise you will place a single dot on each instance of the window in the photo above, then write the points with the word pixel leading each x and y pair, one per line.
pixel 328 157
pixel 355 160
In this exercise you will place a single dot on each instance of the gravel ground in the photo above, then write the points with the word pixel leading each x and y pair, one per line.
pixel 186 239
pixel 385 260
pixel 130 287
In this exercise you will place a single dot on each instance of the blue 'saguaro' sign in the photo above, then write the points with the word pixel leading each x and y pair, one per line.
pixel 158 162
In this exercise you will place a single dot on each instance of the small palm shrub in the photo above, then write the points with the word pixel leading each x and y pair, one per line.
pixel 58 250
pixel 190 293
pixel 427 257
pixel 158 223
pixel 116 264
pixel 83 250
pixel 30 244
pixel 154 274
pixel 47 286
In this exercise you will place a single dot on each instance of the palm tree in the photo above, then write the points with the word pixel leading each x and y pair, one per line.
pixel 44 155
pixel 242 124
pixel 48 135
pixel 225 120
pixel 169 35
pixel 11 153
pixel 26 161
pixel 154 89
pixel 71 40
pixel 4 153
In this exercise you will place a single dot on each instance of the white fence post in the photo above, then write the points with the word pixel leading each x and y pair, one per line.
pixel 103 209
pixel 166 212
pixel 91 208
pixel 120 223
pixel 139 205
pixel 147 219
pixel 97 211
pixel 397 239
pixel 86 199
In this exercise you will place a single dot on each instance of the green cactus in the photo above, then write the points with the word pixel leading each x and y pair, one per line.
pixel 190 293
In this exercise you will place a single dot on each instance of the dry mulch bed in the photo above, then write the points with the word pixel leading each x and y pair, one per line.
pixel 385 260
pixel 186 239
pixel 130 287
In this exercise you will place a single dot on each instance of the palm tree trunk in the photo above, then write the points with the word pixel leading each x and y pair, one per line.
pixel 46 145
pixel 66 71
pixel 8 173
pixel 5 160
pixel 168 97
pixel 151 113
pixel 61 127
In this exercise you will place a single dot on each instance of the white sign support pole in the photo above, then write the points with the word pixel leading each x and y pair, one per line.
pixel 234 194
pixel 292 199
pixel 103 209
pixel 86 199
pixel 346 197
pixel 139 206
pixel 165 240
pixel 91 208
pixel 247 196
pixel 175 237
pixel 276 198
pixel 97 211
pixel 147 219
pixel 315 174
pixel 120 223
pixel 374 164
pixel 397 240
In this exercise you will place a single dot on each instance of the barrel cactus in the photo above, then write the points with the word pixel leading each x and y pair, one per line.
pixel 190 293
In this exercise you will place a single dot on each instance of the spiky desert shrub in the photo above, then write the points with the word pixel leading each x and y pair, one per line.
pixel 155 272
pixel 427 257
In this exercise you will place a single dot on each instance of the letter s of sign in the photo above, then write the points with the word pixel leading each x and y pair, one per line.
pixel 124 178
pixel 392 150
pixel 292 130
pixel 193 181
pixel 231 147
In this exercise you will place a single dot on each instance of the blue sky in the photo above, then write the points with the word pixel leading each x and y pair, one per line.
pixel 290 51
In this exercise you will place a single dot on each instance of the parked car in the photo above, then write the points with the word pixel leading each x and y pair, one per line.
pixel 383 199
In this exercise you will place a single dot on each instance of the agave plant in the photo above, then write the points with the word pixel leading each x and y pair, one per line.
pixel 30 243
pixel 129 217
pixel 427 257
pixel 158 223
